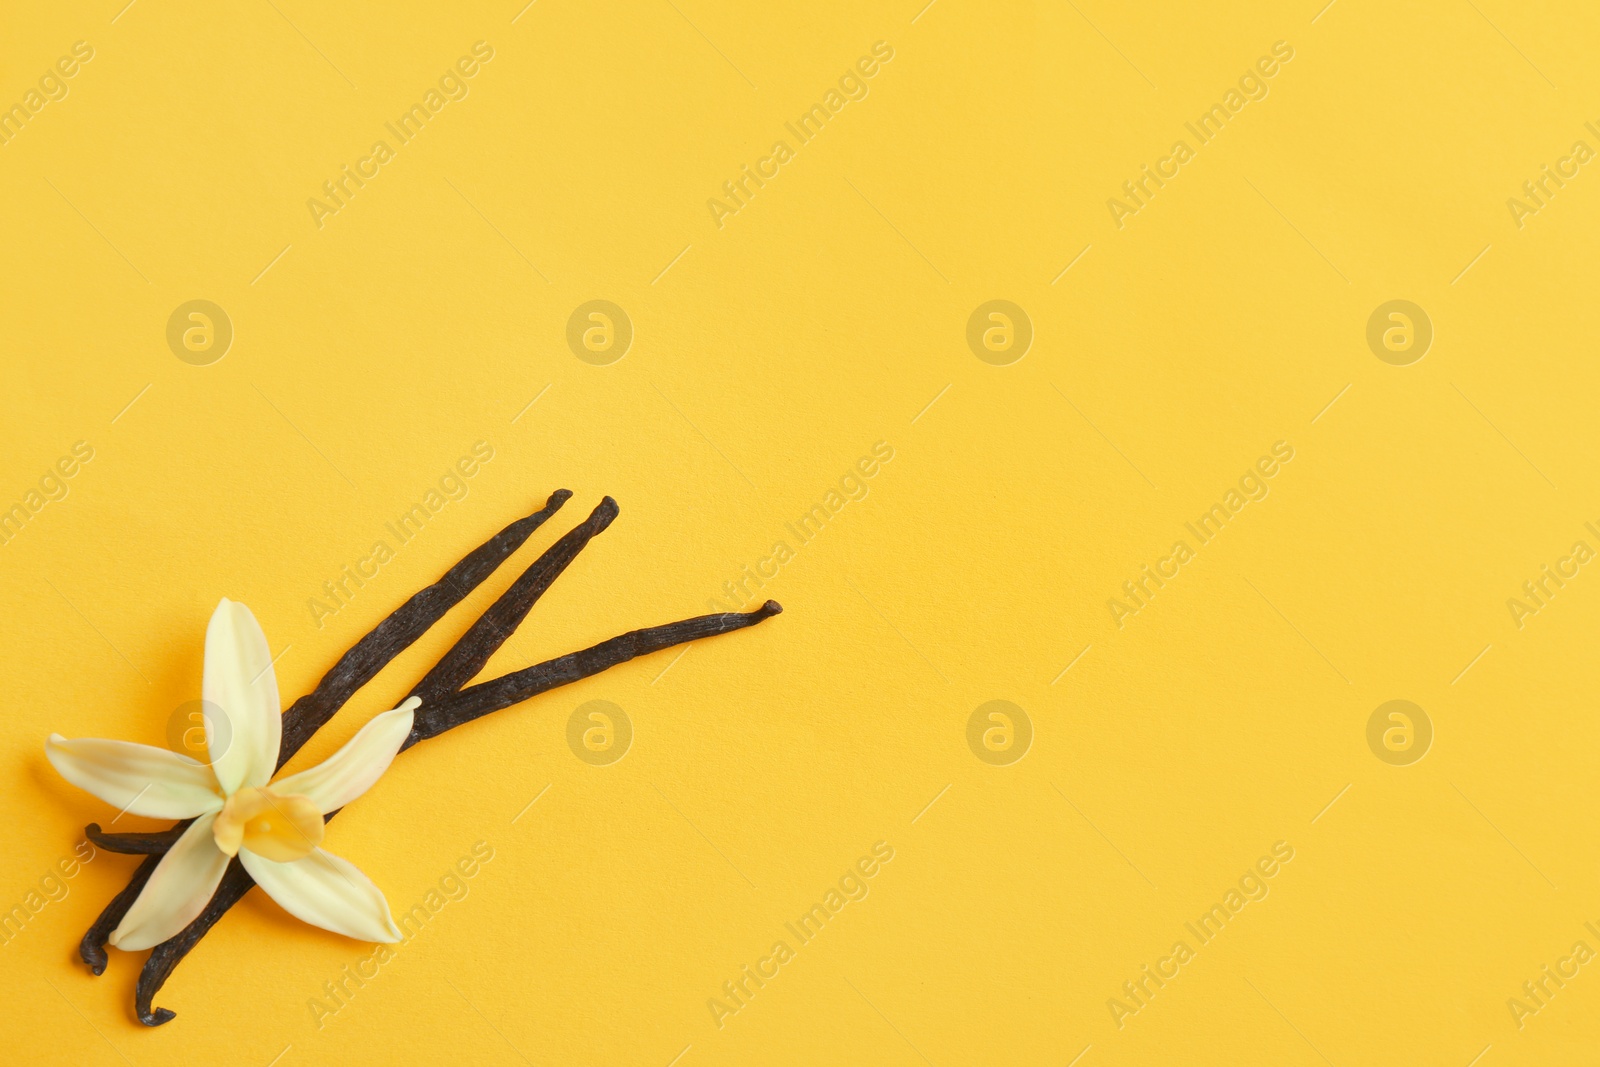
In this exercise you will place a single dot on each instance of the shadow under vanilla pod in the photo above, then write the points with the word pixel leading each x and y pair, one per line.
pixel 244 821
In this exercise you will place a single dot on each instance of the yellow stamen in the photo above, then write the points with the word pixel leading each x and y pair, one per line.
pixel 273 826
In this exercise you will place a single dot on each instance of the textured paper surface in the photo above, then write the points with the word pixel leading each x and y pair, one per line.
pixel 1173 740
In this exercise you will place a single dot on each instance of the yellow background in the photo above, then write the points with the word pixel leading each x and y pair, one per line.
pixel 768 356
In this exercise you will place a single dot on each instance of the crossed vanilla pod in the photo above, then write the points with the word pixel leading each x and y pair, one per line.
pixel 243 828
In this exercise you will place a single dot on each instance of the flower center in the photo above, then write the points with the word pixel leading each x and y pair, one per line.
pixel 281 827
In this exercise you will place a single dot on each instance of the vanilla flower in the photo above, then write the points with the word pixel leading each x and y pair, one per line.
pixel 274 828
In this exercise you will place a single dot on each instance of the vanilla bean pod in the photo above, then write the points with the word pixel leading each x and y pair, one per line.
pixel 135 844
pixel 92 949
pixel 471 703
pixel 354 669
pixel 479 700
pixel 467 657
pixel 396 633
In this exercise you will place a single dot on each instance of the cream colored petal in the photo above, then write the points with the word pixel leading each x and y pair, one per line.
pixel 137 779
pixel 352 770
pixel 239 681
pixel 177 891
pixel 327 891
